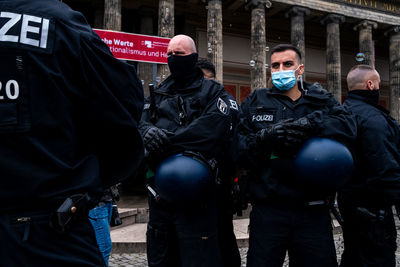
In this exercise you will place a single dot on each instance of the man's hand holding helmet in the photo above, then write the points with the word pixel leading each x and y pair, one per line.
pixel 287 134
pixel 156 139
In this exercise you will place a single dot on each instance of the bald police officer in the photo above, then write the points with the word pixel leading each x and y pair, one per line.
pixel 192 114
pixel 366 201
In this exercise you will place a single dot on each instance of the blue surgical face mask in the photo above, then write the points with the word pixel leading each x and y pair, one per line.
pixel 284 80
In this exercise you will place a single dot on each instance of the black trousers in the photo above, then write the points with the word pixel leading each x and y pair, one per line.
pixel 226 235
pixel 304 232
pixel 367 241
pixel 183 236
pixel 26 239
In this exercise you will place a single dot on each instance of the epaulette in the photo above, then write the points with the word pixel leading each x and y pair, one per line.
pixel 316 88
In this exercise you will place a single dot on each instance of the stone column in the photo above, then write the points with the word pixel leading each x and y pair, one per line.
pixel 112 15
pixel 296 15
pixel 166 28
pixel 214 37
pixel 366 45
pixel 258 43
pixel 394 71
pixel 146 69
pixel 333 64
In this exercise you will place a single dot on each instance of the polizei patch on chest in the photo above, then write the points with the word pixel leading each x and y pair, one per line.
pixel 262 117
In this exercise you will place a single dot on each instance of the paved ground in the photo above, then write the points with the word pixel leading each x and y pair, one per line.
pixel 139 259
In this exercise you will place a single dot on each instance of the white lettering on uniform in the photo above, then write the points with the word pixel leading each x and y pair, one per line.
pixel 45 33
pixel 12 94
pixel 26 28
pixel 14 18
pixel 11 90
pixel 259 118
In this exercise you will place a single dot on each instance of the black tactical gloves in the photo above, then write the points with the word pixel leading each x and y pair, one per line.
pixel 156 139
pixel 272 133
pixel 303 124
pixel 287 134
pixel 299 131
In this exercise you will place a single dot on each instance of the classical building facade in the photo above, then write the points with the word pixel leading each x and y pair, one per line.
pixel 236 35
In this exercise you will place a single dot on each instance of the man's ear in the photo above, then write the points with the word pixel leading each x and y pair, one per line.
pixel 301 69
pixel 370 85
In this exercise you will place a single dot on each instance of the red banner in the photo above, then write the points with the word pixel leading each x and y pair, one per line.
pixel 136 47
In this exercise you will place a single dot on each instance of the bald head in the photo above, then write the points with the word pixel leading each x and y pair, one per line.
pixel 363 77
pixel 181 45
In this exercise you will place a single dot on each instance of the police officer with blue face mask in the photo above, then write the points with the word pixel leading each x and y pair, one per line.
pixel 287 215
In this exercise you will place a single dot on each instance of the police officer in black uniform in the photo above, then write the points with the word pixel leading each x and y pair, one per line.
pixel 190 114
pixel 68 127
pixel 366 202
pixel 287 215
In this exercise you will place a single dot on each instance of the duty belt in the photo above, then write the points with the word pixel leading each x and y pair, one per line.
pixel 72 209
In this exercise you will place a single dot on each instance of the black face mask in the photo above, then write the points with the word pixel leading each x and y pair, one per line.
pixel 371 96
pixel 182 67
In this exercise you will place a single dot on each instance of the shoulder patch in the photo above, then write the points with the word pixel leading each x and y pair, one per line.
pixel 234 104
pixel 222 106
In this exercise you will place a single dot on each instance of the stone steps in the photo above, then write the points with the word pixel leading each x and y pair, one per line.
pixel 131 216
pixel 132 238
pixel 141 215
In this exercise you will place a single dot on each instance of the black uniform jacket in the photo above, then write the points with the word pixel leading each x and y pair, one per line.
pixel 271 172
pixel 68 109
pixel 377 152
pixel 200 116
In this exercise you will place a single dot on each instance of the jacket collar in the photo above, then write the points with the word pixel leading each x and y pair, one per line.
pixel 356 95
